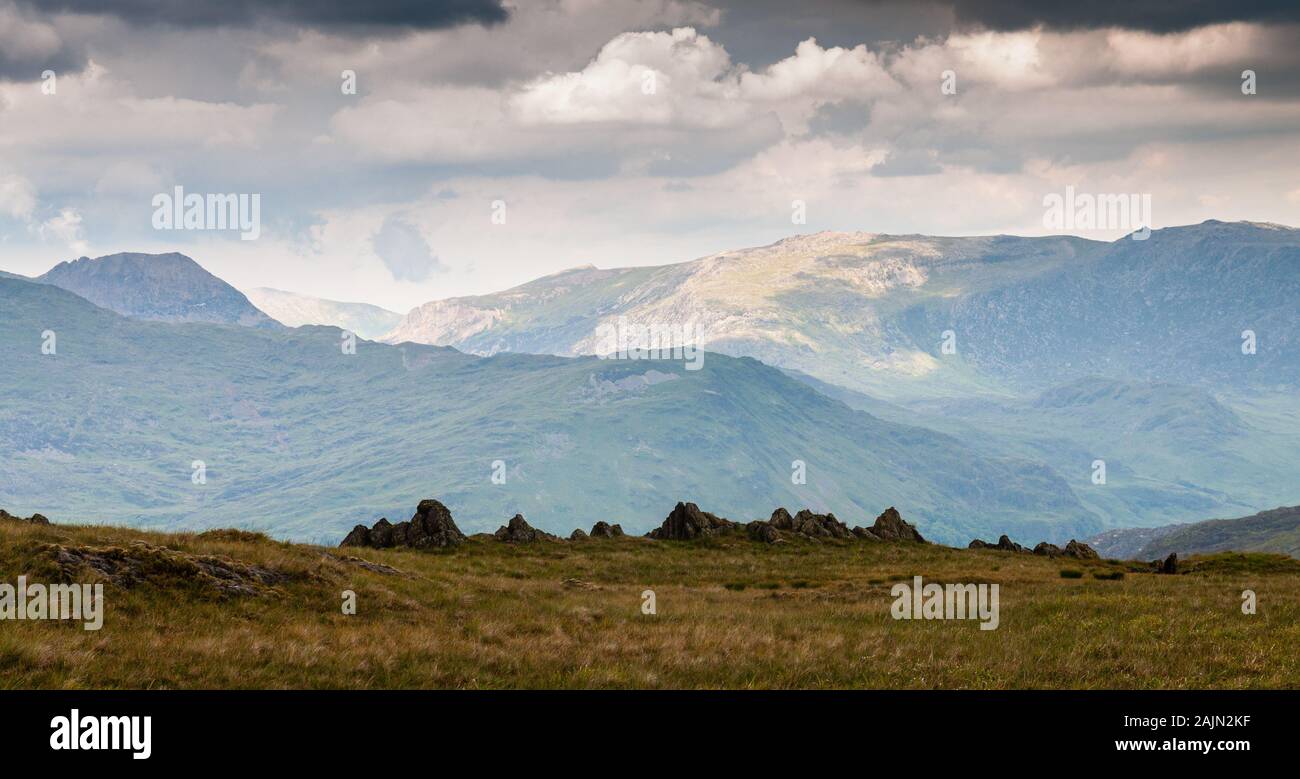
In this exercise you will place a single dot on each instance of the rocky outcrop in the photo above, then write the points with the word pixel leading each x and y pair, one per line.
pixel 386 570
pixel 760 530
pixel 1081 551
pixel 517 531
pixel 578 535
pixel 1004 544
pixel 141 563
pixel 809 525
pixel 35 519
pixel 432 526
pixel 603 529
pixel 1076 549
pixel 890 526
pixel 1168 565
pixel 686 522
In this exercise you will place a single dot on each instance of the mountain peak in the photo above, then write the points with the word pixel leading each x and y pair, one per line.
pixel 168 287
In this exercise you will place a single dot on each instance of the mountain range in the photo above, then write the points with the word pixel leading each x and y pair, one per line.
pixel 1062 351
pixel 873 312
pixel 294 436
pixel 1046 387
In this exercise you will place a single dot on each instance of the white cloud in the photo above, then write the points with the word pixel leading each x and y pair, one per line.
pixel 17 197
pixel 547 112
pixel 65 228
pixel 684 79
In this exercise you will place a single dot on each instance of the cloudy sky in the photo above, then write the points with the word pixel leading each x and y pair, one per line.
pixel 619 132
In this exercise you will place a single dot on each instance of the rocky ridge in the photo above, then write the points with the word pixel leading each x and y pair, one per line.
pixel 433 526
pixel 1075 549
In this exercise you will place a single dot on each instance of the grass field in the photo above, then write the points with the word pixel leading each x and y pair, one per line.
pixel 731 613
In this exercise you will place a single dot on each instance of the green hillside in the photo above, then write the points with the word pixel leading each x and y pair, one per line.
pixel 304 441
pixel 1277 531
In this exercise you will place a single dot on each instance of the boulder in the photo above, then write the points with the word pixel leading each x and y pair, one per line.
pixel 1080 550
pixel 1004 544
pixel 808 524
pixel 686 521
pixel 1169 565
pixel 820 525
pixel 35 519
pixel 578 535
pixel 1046 549
pixel 431 526
pixel 890 526
pixel 758 530
pixel 381 535
pixel 863 534
pixel 360 536
pixel 517 531
pixel 603 529
pixel 781 520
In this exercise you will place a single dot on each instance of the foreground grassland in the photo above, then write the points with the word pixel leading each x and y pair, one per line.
pixel 731 614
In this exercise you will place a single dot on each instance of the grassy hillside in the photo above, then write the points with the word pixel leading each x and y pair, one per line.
pixel 730 613
pixel 1277 530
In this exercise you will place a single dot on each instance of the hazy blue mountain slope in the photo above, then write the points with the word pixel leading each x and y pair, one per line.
pixel 303 441
pixel 826 304
pixel 164 287
pixel 1276 530
pixel 294 310
pixel 870 312
pixel 1172 453
pixel 1172 308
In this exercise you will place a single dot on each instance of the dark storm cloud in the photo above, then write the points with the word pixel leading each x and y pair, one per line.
pixel 26 68
pixel 338 15
pixel 1159 16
